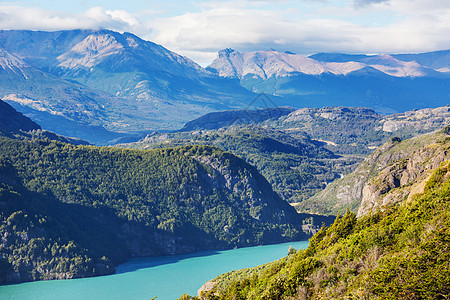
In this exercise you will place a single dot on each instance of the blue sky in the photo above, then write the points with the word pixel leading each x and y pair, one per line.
pixel 198 29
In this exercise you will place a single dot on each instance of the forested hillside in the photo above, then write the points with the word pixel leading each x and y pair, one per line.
pixel 73 211
pixel 398 252
pixel 296 167
pixel 306 151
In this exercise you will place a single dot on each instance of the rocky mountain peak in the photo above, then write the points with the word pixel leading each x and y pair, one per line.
pixel 89 52
pixel 226 52
pixel 265 64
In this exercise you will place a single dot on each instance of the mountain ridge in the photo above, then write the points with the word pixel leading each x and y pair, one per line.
pixel 15 125
pixel 265 64
pixel 86 83
pixel 115 80
pixel 396 249
pixel 387 83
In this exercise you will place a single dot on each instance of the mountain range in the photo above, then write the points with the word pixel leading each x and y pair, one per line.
pixel 75 82
pixel 265 64
pixel 386 83
pixel 397 248
pixel 74 211
pixel 107 87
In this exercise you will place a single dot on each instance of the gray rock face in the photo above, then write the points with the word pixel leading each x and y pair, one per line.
pixel 402 178
pixel 380 179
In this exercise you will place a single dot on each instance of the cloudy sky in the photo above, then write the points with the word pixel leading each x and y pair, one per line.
pixel 198 29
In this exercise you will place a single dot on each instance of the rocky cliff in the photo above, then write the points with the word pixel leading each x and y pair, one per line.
pixel 376 181
pixel 403 178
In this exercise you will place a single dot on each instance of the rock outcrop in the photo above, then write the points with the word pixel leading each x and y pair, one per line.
pixel 388 175
pixel 403 178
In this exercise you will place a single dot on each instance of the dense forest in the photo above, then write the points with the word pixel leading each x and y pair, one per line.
pixel 296 167
pixel 401 252
pixel 73 211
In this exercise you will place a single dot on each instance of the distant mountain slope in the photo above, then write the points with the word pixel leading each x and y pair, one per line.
pixel 359 130
pixel 265 64
pixel 24 84
pixel 216 120
pixel 72 211
pixel 386 83
pixel 296 166
pixel 13 124
pixel 95 83
pixel 291 151
pixel 437 60
pixel 62 106
pixel 116 81
pixel 343 130
pixel 12 121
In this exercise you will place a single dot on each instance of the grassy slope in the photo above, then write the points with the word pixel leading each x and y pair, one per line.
pixel 399 253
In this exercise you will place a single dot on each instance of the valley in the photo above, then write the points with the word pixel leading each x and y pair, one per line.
pixel 115 148
pixel 108 87
pixel 392 250
pixel 305 152
pixel 71 211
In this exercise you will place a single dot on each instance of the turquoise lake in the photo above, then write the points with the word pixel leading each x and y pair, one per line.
pixel 167 277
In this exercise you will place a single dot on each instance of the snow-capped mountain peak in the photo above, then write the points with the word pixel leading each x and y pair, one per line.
pixel 89 52
pixel 231 63
pixel 265 64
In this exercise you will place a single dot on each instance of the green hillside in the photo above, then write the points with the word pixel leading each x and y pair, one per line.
pixel 401 252
pixel 74 211
pixel 296 167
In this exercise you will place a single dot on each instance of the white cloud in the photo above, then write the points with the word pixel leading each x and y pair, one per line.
pixel 317 26
pixel 17 17
pixel 363 3
pixel 417 25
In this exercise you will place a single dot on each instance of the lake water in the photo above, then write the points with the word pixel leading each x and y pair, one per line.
pixel 167 277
